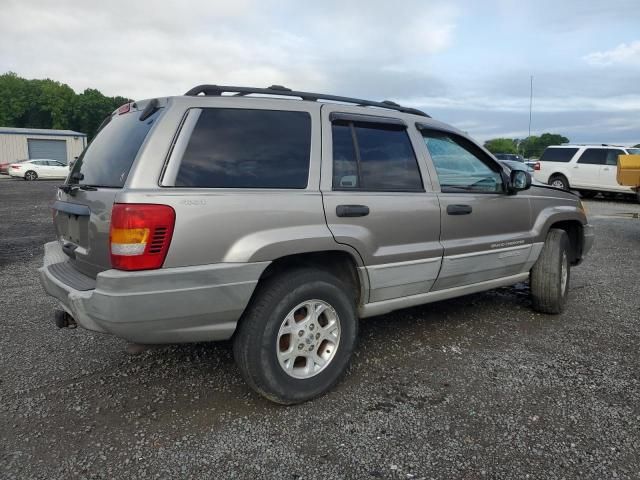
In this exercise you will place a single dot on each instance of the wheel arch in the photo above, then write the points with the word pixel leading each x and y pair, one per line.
pixel 342 264
pixel 573 228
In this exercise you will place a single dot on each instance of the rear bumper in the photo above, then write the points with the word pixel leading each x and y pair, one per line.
pixel 172 305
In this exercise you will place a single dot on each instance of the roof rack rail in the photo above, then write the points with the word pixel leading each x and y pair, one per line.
pixel 218 90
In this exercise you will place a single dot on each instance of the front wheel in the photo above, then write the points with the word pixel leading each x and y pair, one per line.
pixel 559 181
pixel 296 338
pixel 30 176
pixel 549 277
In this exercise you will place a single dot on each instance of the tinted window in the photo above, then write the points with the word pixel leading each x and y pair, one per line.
pixel 234 148
pixel 633 151
pixel 345 164
pixel 558 154
pixel 383 161
pixel 594 156
pixel 612 157
pixel 108 158
pixel 461 166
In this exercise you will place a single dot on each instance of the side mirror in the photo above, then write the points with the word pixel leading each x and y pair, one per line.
pixel 519 180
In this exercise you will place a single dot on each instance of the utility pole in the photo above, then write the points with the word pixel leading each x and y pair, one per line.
pixel 530 104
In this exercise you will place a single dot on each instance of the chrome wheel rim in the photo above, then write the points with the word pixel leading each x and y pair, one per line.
pixel 308 339
pixel 564 273
pixel 557 183
pixel 31 176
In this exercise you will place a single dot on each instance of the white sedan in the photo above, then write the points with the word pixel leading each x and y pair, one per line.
pixel 40 168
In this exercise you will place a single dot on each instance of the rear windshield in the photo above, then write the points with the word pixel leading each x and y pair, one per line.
pixel 558 154
pixel 108 158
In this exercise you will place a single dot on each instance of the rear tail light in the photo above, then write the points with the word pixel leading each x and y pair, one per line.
pixel 536 166
pixel 15 167
pixel 140 235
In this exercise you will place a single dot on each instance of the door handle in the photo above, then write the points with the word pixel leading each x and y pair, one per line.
pixel 459 209
pixel 606 169
pixel 352 210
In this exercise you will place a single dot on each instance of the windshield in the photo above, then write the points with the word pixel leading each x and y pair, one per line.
pixel 108 158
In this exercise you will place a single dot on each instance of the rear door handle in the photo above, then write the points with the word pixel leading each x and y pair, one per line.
pixel 352 210
pixel 459 209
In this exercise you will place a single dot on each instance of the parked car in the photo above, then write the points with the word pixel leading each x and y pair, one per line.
pixel 39 168
pixel 512 157
pixel 514 165
pixel 4 166
pixel 280 222
pixel 587 168
pixel 509 156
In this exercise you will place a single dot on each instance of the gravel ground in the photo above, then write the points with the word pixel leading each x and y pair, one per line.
pixel 478 387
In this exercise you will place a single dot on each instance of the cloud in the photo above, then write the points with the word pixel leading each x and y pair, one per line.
pixel 461 61
pixel 623 54
pixel 139 49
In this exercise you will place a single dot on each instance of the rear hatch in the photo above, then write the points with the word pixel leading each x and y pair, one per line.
pixel 82 211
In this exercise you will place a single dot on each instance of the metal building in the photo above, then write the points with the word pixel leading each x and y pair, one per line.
pixel 26 143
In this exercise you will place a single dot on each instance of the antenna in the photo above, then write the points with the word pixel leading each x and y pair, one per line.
pixel 530 104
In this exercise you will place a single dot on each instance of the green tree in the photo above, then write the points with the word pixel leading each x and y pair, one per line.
pixel 637 146
pixel 50 104
pixel 533 146
pixel 501 145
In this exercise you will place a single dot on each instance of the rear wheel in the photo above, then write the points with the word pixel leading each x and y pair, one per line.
pixel 30 176
pixel 296 338
pixel 549 277
pixel 559 181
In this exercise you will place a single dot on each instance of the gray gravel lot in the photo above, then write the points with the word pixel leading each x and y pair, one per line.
pixel 478 387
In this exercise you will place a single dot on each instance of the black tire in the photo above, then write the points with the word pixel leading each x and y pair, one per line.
pixel 256 340
pixel 548 291
pixel 30 176
pixel 559 181
pixel 588 193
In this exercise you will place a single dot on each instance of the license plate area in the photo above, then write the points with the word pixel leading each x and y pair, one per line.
pixel 73 228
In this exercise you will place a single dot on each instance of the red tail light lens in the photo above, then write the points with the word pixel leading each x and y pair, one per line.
pixel 15 167
pixel 140 235
pixel 536 166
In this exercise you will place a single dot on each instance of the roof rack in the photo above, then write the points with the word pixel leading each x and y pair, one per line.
pixel 218 90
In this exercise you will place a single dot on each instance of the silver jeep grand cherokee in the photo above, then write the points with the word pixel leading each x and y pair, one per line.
pixel 279 220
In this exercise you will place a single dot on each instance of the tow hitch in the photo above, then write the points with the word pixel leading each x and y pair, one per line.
pixel 64 320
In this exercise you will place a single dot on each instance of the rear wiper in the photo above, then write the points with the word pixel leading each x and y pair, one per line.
pixel 72 189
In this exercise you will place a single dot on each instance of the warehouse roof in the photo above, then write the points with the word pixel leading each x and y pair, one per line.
pixel 40 131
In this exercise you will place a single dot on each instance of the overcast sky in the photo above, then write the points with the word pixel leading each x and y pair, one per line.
pixel 465 62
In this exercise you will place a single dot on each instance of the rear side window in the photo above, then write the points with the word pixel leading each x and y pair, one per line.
pixel 594 156
pixel 238 148
pixel 558 154
pixel 108 158
pixel 612 156
pixel 373 157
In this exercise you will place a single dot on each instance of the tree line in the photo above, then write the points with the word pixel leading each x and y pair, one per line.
pixel 49 104
pixel 531 147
